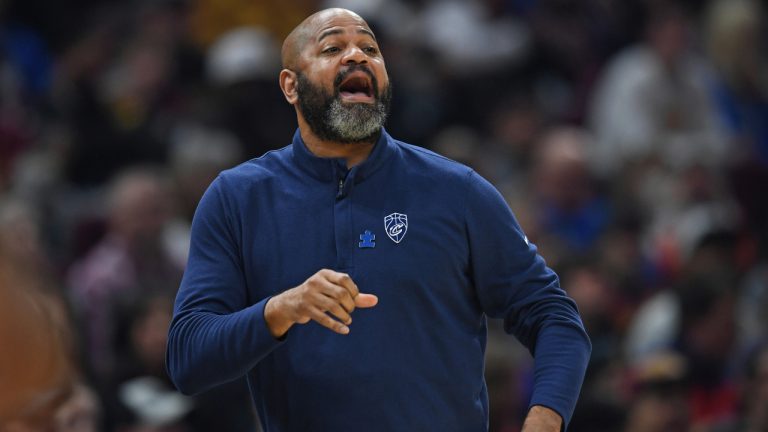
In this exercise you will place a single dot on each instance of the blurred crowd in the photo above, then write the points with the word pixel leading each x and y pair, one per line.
pixel 630 137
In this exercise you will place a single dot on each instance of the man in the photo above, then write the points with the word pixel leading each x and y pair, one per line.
pixel 347 221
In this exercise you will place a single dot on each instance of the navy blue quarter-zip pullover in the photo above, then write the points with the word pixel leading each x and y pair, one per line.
pixel 432 239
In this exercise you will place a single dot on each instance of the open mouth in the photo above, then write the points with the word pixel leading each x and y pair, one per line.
pixel 357 87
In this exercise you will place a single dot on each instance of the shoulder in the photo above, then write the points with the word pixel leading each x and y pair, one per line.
pixel 234 186
pixel 238 182
pixel 441 174
pixel 268 165
pixel 429 163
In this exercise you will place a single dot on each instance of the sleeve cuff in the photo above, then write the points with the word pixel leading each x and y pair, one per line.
pixel 263 337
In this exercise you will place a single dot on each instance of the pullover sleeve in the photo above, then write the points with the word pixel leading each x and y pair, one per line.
pixel 514 283
pixel 215 336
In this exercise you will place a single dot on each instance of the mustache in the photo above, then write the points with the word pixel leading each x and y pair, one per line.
pixel 341 76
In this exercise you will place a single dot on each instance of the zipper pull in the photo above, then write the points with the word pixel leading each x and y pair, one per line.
pixel 341 188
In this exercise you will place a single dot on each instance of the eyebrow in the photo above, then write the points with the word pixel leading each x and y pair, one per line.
pixel 335 31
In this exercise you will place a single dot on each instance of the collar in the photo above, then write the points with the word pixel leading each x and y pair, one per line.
pixel 332 169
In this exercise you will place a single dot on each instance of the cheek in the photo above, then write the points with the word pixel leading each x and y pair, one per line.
pixel 320 73
pixel 384 78
pixel 380 71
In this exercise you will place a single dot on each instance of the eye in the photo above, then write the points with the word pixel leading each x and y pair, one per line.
pixel 331 50
pixel 371 50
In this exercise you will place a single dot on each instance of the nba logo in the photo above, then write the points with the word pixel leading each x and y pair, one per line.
pixel 396 226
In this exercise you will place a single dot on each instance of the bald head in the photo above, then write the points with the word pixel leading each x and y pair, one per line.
pixel 309 29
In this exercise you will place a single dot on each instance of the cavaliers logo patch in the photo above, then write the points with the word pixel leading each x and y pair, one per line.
pixel 396 225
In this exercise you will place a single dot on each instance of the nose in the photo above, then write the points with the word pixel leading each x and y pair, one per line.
pixel 354 54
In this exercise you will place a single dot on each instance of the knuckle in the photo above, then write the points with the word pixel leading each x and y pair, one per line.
pixel 320 307
pixel 330 304
pixel 337 293
pixel 305 305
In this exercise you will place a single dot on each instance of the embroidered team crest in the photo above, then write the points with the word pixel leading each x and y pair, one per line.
pixel 396 226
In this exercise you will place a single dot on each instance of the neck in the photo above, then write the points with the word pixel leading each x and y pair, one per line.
pixel 353 153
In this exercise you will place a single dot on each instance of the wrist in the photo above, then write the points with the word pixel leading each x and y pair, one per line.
pixel 277 322
pixel 542 419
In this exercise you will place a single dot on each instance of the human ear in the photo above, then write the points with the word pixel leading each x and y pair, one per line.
pixel 289 84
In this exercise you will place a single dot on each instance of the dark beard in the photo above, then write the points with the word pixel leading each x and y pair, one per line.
pixel 332 120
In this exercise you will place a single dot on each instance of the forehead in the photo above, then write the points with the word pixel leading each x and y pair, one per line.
pixel 339 24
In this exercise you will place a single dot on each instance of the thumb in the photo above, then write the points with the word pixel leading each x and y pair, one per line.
pixel 366 300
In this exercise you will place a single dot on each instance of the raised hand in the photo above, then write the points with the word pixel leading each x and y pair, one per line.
pixel 327 297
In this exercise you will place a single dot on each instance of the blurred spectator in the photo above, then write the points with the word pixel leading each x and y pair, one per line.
pixel 469 39
pixel 571 41
pixel 699 205
pixel 652 102
pixel 754 397
pixel 515 128
pixel 241 68
pixel 753 303
pixel 120 291
pixel 602 307
pixel 41 384
pixel 737 49
pixel 197 155
pixel 702 311
pixel 623 261
pixel 117 91
pixel 30 60
pixel 21 246
pixel 707 340
pixel 25 77
pixel 654 326
pixel 569 207
pixel 659 403
pixel 657 322
pixel 129 262
pixel 79 413
pixel 41 388
pixel 598 302
pixel 142 398
pixel 36 369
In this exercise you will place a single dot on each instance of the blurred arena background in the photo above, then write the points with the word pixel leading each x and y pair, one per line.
pixel 629 136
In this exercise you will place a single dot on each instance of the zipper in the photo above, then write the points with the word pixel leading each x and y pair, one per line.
pixel 341 188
